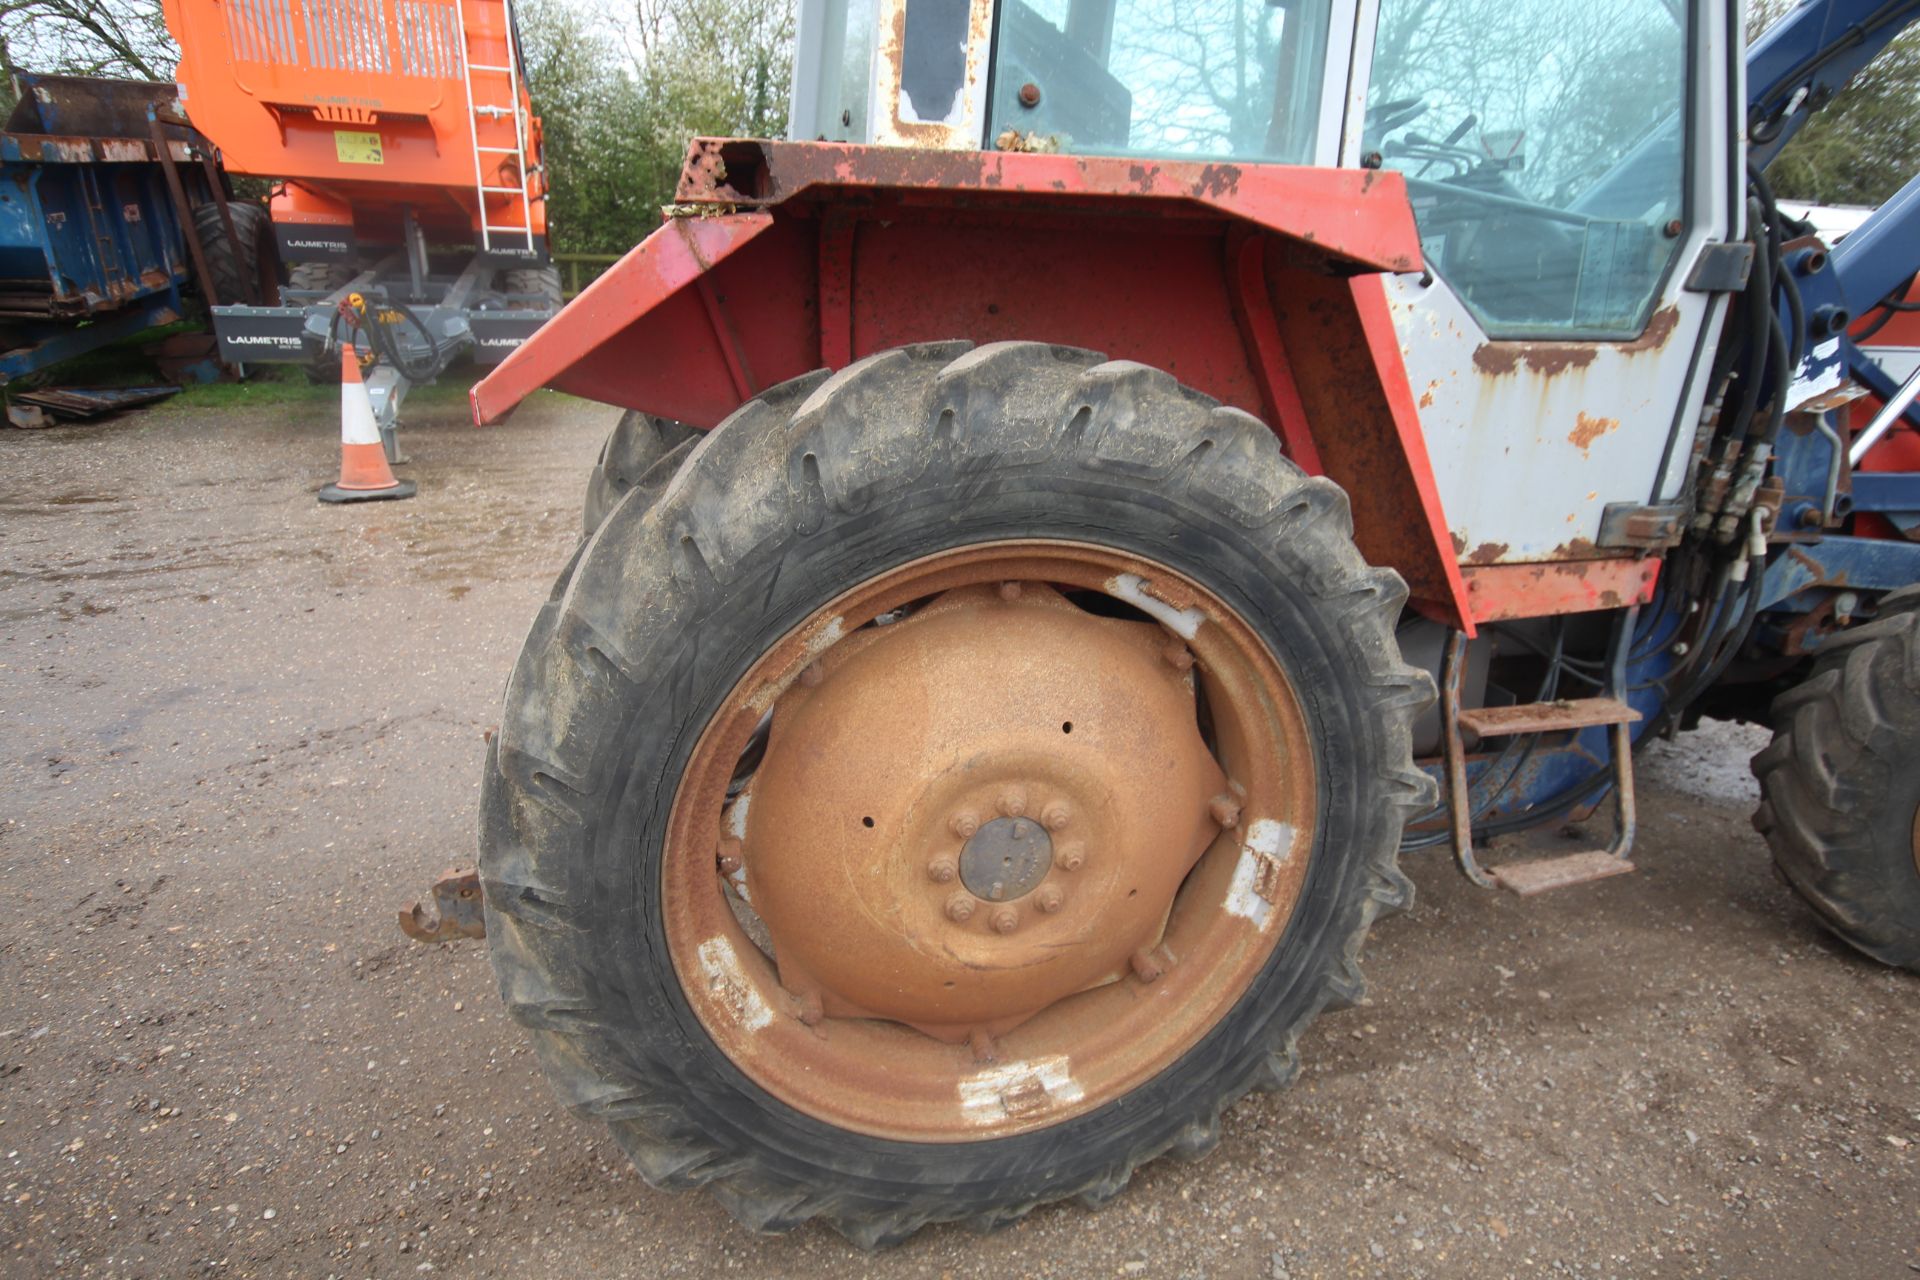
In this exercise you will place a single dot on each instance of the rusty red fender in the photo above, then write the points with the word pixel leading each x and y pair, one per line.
pixel 1256 284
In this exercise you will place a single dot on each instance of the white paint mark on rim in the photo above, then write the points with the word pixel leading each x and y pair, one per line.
pixel 821 639
pixel 1267 842
pixel 1018 1088
pixel 737 815
pixel 1132 588
pixel 731 986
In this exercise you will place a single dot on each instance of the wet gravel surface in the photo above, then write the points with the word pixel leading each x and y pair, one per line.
pixel 238 730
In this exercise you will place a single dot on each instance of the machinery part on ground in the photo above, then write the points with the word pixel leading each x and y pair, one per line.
pixel 450 910
pixel 234 264
pixel 1840 795
pixel 630 457
pixel 735 653
pixel 540 285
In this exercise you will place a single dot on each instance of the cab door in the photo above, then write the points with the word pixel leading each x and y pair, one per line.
pixel 1568 165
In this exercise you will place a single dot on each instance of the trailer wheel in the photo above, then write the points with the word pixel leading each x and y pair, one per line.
pixel 965 779
pixel 631 456
pixel 541 282
pixel 1840 795
pixel 321 277
pixel 232 265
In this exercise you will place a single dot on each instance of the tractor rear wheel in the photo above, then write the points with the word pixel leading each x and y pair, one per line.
pixel 630 456
pixel 966 778
pixel 1840 792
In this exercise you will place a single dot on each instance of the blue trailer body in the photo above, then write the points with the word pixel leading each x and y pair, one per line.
pixel 92 246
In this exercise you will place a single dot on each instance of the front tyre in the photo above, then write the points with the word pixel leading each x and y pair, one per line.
pixel 1839 788
pixel 964 779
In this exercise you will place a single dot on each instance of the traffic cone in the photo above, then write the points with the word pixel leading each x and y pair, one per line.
pixel 364 473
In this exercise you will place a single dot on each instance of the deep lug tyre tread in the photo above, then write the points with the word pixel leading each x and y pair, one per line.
pixel 708 521
pixel 1839 786
pixel 233 264
pixel 629 457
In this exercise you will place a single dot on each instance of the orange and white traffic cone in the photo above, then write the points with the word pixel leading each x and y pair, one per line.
pixel 364 473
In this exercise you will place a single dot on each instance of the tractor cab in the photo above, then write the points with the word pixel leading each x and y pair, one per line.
pixel 1544 146
pixel 1569 168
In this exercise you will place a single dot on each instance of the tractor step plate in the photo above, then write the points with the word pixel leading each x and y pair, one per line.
pixel 1542 874
pixel 1546 717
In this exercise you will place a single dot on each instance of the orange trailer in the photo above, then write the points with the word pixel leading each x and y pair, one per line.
pixel 371 111
pixel 410 211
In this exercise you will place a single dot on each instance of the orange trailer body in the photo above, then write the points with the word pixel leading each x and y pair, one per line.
pixel 367 109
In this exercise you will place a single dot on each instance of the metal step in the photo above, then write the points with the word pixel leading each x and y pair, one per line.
pixel 1538 875
pixel 1528 878
pixel 1546 717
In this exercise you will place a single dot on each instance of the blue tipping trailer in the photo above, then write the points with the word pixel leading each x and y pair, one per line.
pixel 99 196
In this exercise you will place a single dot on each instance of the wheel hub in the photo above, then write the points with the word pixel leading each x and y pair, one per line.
pixel 1006 859
pixel 967 816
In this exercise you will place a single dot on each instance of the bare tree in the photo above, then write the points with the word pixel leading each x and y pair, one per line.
pixel 127 39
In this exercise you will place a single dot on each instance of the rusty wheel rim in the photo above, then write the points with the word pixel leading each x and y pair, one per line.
pixel 1129 876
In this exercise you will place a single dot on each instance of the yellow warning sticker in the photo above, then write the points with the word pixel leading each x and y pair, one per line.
pixel 357 148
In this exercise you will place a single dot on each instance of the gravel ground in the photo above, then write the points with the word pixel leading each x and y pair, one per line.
pixel 238 730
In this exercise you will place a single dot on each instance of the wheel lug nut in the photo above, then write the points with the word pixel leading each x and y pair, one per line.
pixel 1005 920
pixel 1009 591
pixel 1013 803
pixel 1145 967
pixel 729 856
pixel 1071 857
pixel 1178 656
pixel 960 908
pixel 942 870
pixel 1049 898
pixel 1055 816
pixel 1225 810
pixel 963 824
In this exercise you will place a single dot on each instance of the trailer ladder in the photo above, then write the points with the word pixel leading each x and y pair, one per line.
pixel 111 270
pixel 492 113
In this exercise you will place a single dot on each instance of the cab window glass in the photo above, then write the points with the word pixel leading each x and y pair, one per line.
pixel 1542 144
pixel 1234 79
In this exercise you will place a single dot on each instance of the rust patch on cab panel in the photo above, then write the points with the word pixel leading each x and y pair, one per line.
pixel 1550 359
pixel 1587 429
pixel 1488 553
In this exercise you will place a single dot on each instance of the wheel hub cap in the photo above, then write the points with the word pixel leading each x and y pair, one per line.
pixel 971 814
pixel 1006 859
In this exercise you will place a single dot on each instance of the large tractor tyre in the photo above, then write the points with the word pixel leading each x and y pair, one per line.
pixel 238 263
pixel 1839 789
pixel 629 457
pixel 541 285
pixel 968 776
